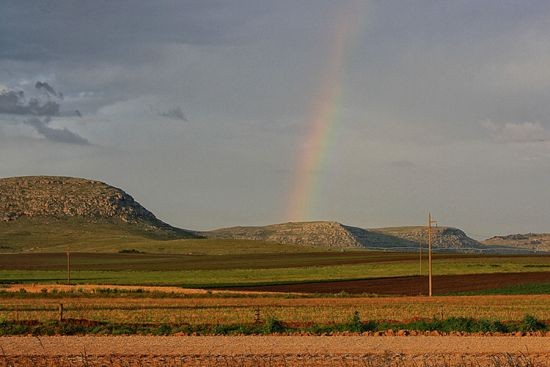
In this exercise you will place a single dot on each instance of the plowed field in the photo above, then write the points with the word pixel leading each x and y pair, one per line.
pixel 413 285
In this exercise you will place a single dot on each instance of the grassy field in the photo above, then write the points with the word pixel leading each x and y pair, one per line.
pixel 215 271
pixel 540 288
pixel 231 311
pixel 132 261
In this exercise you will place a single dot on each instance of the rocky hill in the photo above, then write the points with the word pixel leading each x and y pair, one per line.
pixel 336 235
pixel 531 241
pixel 447 238
pixel 325 234
pixel 50 197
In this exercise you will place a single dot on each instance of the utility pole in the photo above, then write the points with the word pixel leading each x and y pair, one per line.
pixel 420 247
pixel 69 264
pixel 430 222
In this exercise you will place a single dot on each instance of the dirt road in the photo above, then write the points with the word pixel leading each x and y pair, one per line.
pixel 274 350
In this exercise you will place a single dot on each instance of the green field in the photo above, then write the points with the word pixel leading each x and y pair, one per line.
pixel 251 269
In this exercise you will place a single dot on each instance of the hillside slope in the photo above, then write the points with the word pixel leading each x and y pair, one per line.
pixel 448 238
pixel 322 234
pixel 47 210
pixel 336 235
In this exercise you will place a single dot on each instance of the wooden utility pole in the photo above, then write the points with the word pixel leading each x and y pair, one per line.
pixel 430 222
pixel 69 265
pixel 420 247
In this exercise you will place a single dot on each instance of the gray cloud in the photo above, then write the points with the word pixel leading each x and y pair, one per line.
pixel 521 132
pixel 112 29
pixel 48 89
pixel 63 135
pixel 174 114
pixel 13 103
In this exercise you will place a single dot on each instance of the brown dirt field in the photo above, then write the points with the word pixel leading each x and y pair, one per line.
pixel 410 286
pixel 275 351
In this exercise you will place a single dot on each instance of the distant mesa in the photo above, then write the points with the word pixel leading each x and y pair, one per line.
pixel 54 197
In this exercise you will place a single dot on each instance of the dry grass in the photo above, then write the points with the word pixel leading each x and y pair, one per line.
pixel 200 311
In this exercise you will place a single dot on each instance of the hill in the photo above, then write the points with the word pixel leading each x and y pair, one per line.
pixel 336 235
pixel 51 210
pixel 321 234
pixel 530 241
pixel 443 238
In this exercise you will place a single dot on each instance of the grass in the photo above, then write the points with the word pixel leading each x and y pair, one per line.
pixel 231 275
pixel 531 288
pixel 271 325
pixel 136 261
pixel 203 310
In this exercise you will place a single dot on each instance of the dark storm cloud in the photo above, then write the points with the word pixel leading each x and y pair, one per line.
pixel 63 135
pixel 48 89
pixel 13 103
pixel 68 30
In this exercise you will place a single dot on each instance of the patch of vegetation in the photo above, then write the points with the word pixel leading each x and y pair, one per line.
pixel 531 323
pixel 271 326
pixel 529 288
pixel 130 251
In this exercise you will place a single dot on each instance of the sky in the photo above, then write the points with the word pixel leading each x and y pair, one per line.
pixel 251 112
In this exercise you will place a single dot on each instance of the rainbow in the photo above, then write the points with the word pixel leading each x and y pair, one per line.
pixel 321 120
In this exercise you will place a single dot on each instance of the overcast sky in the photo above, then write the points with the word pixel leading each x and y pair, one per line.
pixel 202 109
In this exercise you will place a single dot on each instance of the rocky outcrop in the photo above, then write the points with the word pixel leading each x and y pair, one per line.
pixel 442 237
pixel 66 197
pixel 538 242
pixel 325 234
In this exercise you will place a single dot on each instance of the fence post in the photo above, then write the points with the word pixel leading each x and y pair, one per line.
pixel 61 312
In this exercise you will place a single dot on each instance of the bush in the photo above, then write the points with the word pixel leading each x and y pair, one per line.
pixel 531 323
pixel 130 251
pixel 354 323
pixel 273 325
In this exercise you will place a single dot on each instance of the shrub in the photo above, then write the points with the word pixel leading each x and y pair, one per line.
pixel 273 325
pixel 531 323
pixel 354 323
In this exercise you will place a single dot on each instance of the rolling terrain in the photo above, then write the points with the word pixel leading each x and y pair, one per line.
pixel 339 236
